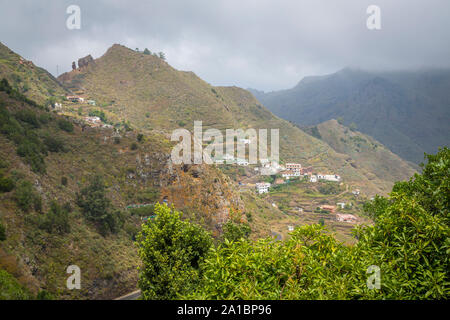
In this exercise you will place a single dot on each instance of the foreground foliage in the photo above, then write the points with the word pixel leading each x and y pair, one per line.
pixel 408 244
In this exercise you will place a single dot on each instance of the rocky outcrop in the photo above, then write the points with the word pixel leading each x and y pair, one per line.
pixel 84 62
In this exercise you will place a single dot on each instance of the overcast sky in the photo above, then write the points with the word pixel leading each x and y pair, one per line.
pixel 262 44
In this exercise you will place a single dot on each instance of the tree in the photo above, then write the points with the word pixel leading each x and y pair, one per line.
pixel 65 125
pixel 26 198
pixel 233 231
pixel 56 220
pixel 171 251
pixel 146 51
pixel 162 55
pixel 97 207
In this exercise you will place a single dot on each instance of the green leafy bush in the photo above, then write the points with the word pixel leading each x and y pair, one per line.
pixel 233 231
pixel 53 144
pixel 6 184
pixel 26 198
pixel 97 207
pixel 171 251
pixel 56 220
pixel 10 288
pixel 65 125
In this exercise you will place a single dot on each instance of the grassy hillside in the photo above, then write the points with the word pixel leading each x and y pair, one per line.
pixel 47 160
pixel 36 83
pixel 365 153
pixel 406 111
pixel 151 95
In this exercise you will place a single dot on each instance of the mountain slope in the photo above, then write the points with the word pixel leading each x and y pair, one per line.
pixel 406 111
pixel 36 83
pixel 364 152
pixel 46 158
pixel 151 95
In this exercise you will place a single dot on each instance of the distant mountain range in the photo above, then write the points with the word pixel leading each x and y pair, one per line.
pixel 409 112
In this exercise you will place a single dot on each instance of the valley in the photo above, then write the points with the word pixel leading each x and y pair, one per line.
pixel 113 117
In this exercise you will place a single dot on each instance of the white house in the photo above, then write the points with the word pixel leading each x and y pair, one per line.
pixel 262 187
pixel 241 162
pixel 356 192
pixel 245 141
pixel 313 178
pixel 290 174
pixel 93 120
pixel 341 204
pixel 329 177
pixel 290 228
pixel 346 218
pixel 91 102
pixel 264 161
pixel 294 167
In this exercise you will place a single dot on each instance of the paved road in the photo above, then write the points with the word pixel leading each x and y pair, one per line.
pixel 131 296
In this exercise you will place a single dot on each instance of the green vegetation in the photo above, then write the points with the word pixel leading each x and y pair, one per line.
pixel 97 207
pixel 65 125
pixel 10 288
pixel 329 188
pixel 56 220
pixel 26 197
pixel 409 242
pixel 171 251
pixel 6 184
pixel 233 231
pixel 100 114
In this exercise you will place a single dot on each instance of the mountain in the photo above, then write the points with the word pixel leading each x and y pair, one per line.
pixel 406 111
pixel 150 95
pixel 49 158
pixel 364 152
pixel 46 160
pixel 29 79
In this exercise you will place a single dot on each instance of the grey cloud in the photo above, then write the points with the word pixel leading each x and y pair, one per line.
pixel 261 44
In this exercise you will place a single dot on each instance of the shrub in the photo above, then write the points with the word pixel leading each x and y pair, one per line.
pixel 116 140
pixel 134 146
pixel 233 231
pixel 53 144
pixel 64 181
pixel 171 251
pixel 26 198
pixel 140 137
pixel 56 220
pixel 97 207
pixel 98 113
pixel 65 125
pixel 11 289
pixel 6 184
pixel 29 117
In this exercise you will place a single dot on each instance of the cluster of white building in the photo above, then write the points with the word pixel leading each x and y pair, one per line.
pixel 325 177
pixel 262 187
